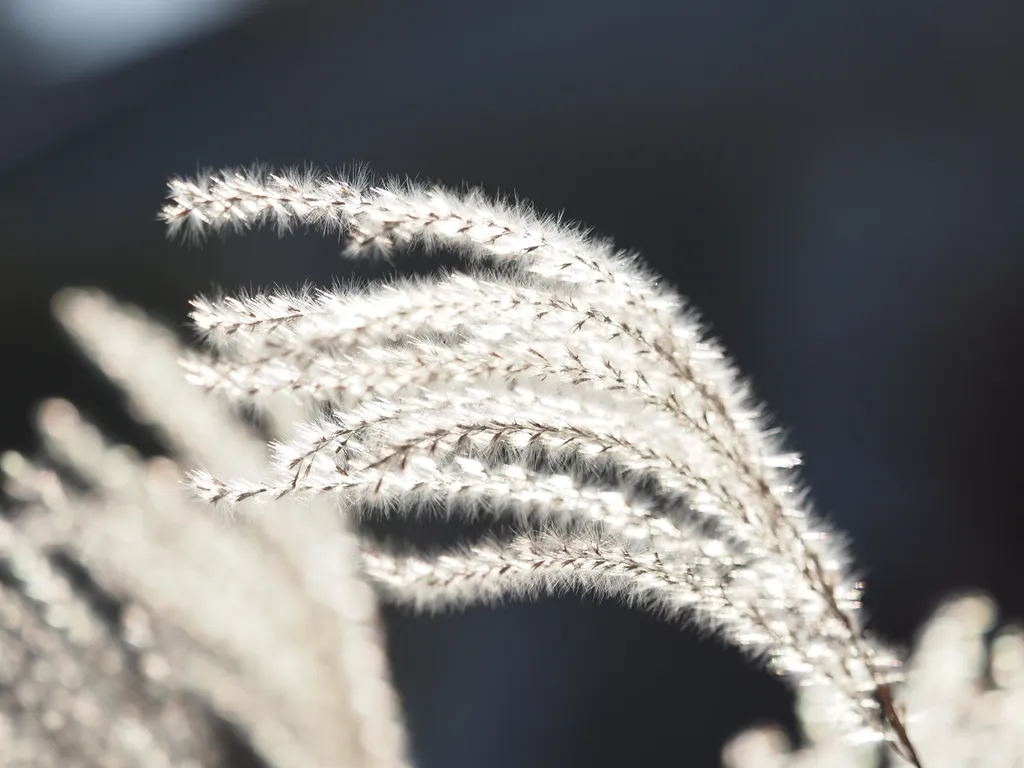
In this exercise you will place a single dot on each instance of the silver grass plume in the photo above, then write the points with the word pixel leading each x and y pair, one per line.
pixel 267 625
pixel 555 381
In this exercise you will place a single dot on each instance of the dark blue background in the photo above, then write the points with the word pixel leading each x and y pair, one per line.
pixel 837 186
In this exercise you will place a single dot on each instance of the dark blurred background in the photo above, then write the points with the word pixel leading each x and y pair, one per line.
pixel 836 185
